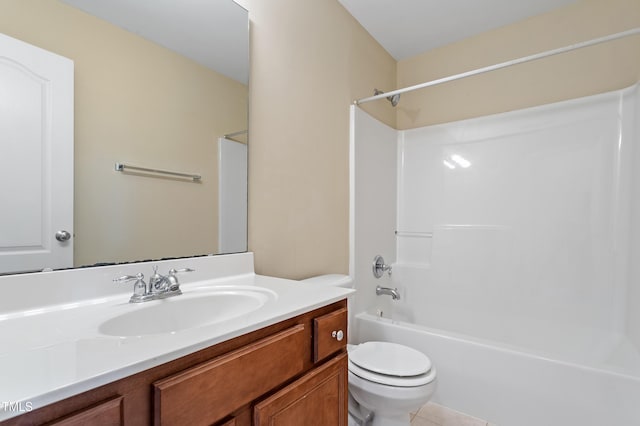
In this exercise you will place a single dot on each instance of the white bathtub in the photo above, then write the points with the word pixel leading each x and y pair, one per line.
pixel 509 387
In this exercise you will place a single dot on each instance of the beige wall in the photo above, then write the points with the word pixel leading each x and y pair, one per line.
pixel 309 61
pixel 135 102
pixel 584 72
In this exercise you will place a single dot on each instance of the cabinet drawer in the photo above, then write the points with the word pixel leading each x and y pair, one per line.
pixel 107 413
pixel 206 393
pixel 329 334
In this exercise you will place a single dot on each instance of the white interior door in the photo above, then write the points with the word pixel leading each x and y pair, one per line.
pixel 232 195
pixel 36 148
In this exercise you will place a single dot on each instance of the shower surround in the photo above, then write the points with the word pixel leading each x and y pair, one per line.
pixel 516 253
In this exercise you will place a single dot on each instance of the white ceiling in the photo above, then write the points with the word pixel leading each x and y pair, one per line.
pixel 407 28
pixel 212 33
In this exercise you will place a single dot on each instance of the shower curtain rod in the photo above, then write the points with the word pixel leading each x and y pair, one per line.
pixel 541 55
pixel 230 135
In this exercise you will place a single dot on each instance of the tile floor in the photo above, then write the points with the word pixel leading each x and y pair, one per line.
pixel 432 414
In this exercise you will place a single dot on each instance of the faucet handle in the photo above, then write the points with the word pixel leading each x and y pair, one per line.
pixel 379 267
pixel 175 271
pixel 127 278
pixel 139 288
pixel 173 279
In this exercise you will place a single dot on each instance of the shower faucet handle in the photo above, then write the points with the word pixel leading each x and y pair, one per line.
pixel 379 267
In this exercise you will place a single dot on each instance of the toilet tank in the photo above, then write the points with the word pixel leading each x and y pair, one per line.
pixel 334 280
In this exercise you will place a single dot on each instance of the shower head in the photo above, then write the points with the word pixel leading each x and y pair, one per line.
pixel 393 99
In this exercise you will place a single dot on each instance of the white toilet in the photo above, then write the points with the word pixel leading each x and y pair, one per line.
pixel 387 381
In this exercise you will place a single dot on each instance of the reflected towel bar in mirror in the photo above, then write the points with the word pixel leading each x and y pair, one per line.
pixel 120 167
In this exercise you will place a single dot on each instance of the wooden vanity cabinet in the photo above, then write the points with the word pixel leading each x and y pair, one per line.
pixel 286 374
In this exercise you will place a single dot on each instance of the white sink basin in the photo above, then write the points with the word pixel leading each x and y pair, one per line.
pixel 189 310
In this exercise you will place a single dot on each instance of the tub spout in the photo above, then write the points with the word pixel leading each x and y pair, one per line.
pixel 393 292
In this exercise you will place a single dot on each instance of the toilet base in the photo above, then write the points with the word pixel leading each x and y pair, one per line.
pixel 390 405
pixel 358 415
pixel 391 421
pixel 380 421
pixel 352 421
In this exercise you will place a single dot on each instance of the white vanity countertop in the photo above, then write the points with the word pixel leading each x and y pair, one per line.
pixel 49 353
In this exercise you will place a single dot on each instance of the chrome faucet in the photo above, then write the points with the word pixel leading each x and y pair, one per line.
pixel 393 292
pixel 159 287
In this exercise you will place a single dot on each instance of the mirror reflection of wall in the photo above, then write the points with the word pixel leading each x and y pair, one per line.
pixel 138 103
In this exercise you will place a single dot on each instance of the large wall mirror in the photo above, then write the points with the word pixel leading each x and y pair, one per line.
pixel 158 84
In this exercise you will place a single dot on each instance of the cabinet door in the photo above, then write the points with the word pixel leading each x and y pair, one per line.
pixel 317 399
pixel 106 413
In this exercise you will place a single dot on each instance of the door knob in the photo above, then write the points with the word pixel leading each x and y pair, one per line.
pixel 63 236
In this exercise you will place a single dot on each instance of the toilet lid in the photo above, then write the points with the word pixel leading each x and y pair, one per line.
pixel 390 359
pixel 395 381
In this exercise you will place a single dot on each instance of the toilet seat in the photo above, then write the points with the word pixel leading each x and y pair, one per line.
pixel 390 364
